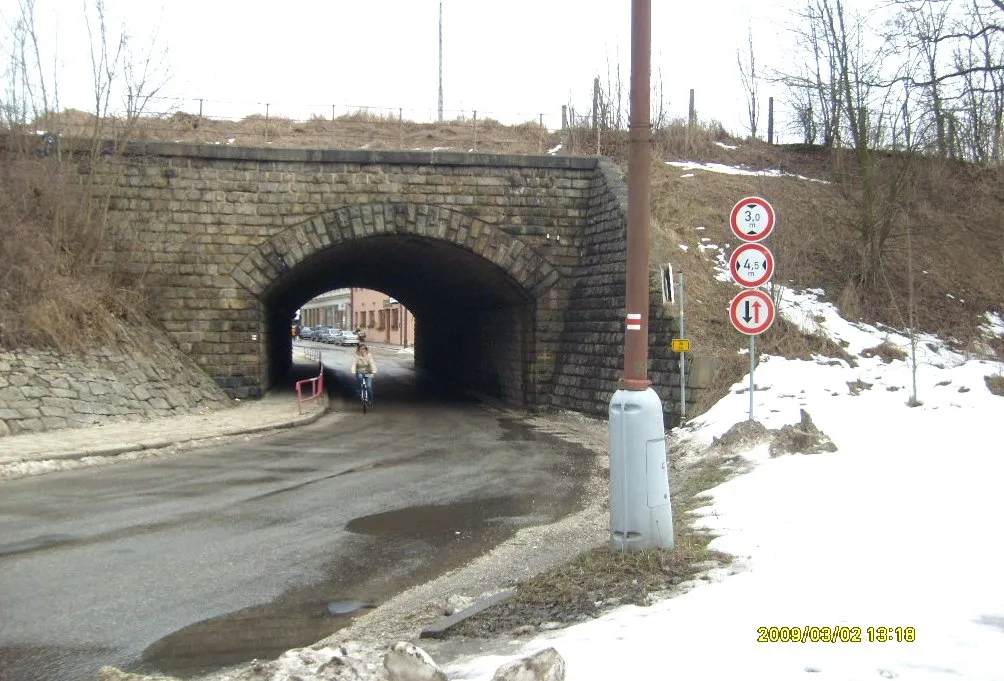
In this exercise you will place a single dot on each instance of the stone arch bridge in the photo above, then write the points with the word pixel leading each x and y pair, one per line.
pixel 513 265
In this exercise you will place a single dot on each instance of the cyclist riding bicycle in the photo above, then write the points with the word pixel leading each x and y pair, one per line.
pixel 363 365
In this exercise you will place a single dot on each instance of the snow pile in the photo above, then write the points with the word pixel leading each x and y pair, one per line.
pixel 896 529
pixel 736 170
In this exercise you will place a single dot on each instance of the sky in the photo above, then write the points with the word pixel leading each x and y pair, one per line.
pixel 510 60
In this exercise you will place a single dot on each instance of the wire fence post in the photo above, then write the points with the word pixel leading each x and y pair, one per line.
pixel 332 122
pixel 770 120
pixel 540 136
pixel 266 121
pixel 475 147
pixel 400 126
pixel 200 107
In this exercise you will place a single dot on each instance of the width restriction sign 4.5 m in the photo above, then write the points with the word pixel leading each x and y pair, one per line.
pixel 752 219
pixel 752 312
pixel 751 265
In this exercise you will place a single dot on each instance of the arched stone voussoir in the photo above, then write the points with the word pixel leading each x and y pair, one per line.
pixel 284 251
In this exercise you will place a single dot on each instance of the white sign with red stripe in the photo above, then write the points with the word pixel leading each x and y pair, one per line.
pixel 751 265
pixel 752 312
pixel 634 322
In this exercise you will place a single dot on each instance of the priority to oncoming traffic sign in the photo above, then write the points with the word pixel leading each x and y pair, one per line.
pixel 752 219
pixel 751 265
pixel 752 312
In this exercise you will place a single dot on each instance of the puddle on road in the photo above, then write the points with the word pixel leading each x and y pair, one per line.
pixel 395 550
pixel 444 522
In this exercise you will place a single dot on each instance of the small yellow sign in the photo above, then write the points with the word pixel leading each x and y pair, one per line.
pixel 681 345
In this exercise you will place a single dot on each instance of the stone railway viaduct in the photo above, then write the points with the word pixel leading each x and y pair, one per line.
pixel 513 265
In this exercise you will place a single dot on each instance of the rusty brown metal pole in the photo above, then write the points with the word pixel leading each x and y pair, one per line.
pixel 639 199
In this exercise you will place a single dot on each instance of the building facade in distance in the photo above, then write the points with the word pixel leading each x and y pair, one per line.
pixel 333 308
pixel 382 318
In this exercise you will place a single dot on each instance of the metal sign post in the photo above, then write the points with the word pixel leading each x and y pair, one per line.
pixel 683 362
pixel 752 311
pixel 752 369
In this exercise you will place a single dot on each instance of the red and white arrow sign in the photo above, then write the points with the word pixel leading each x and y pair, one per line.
pixel 752 219
pixel 752 312
pixel 751 265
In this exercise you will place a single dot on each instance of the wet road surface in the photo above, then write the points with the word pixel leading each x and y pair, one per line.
pixel 187 564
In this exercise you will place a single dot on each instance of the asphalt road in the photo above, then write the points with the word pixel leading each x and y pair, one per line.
pixel 188 564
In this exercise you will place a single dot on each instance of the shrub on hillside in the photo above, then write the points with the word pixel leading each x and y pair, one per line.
pixel 54 289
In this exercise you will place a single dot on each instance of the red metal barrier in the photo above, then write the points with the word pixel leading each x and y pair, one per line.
pixel 317 387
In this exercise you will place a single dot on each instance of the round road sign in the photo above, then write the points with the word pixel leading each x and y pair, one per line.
pixel 752 312
pixel 752 219
pixel 751 265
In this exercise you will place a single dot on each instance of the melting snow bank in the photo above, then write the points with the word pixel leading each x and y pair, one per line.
pixel 885 544
pixel 737 170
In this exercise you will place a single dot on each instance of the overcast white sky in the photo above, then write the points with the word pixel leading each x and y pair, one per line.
pixel 511 60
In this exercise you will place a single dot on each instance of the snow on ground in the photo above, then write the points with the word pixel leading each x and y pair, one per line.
pixel 899 528
pixel 736 170
pixel 723 145
pixel 554 150
pixel 994 325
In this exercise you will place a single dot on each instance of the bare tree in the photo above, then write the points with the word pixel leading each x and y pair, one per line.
pixel 748 74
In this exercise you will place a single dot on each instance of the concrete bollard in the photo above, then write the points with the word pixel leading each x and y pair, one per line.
pixel 640 513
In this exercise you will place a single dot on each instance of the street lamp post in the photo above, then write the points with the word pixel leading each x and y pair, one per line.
pixel 640 513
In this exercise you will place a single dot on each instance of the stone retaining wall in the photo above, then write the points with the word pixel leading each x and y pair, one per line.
pixel 143 376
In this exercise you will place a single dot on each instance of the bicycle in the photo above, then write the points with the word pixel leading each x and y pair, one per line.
pixel 364 390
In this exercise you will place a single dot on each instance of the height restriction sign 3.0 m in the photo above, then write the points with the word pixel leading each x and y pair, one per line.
pixel 752 219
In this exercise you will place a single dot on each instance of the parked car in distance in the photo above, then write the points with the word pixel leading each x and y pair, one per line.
pixel 306 333
pixel 348 338
pixel 330 335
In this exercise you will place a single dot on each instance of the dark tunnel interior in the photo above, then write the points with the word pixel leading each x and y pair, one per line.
pixel 473 321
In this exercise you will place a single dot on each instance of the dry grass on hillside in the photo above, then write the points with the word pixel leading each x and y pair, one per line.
pixel 352 131
pixel 53 290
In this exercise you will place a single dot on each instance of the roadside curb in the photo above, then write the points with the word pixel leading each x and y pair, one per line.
pixel 163 442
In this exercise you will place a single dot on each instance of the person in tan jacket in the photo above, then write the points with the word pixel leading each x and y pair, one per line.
pixel 364 366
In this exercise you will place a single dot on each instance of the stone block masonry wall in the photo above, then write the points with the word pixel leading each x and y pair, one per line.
pixel 226 238
pixel 143 376
pixel 215 228
pixel 592 357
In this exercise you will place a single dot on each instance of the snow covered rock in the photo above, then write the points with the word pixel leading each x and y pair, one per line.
pixel 309 664
pixel 803 437
pixel 407 662
pixel 544 665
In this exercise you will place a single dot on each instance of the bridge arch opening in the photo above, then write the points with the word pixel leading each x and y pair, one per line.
pixel 473 290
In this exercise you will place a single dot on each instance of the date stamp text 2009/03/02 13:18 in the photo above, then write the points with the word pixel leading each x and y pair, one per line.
pixel 836 634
